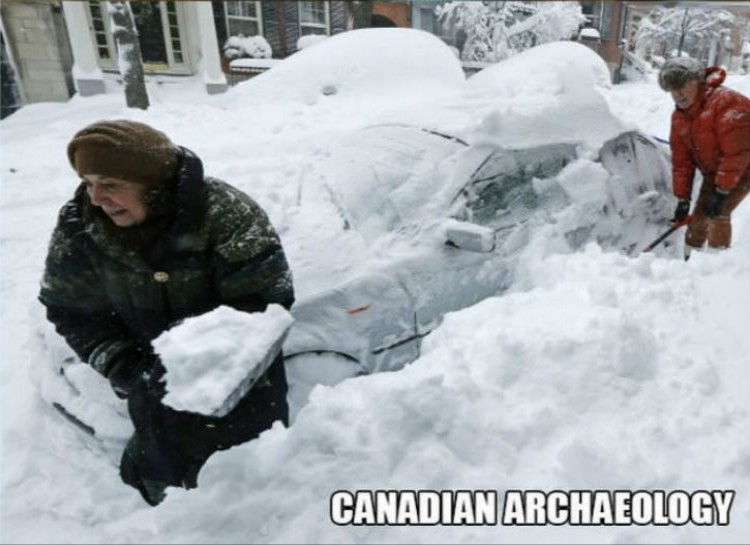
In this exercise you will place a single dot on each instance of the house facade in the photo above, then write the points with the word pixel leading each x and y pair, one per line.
pixel 54 48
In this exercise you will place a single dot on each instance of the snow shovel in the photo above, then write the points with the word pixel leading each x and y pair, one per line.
pixel 272 350
pixel 676 225
pixel 196 381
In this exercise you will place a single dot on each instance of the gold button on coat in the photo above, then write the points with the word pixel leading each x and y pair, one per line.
pixel 161 276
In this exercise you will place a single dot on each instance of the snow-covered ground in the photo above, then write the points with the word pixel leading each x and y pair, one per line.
pixel 597 371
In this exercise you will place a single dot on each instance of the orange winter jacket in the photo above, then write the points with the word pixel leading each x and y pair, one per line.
pixel 712 135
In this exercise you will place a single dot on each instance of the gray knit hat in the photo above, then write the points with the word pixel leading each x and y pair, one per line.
pixel 126 150
pixel 676 72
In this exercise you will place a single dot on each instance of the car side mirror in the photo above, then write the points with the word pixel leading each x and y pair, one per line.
pixel 468 236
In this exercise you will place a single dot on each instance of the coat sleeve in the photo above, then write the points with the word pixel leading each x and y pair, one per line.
pixel 78 307
pixel 683 165
pixel 252 271
pixel 732 122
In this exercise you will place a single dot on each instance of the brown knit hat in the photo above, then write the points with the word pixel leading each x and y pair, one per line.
pixel 124 149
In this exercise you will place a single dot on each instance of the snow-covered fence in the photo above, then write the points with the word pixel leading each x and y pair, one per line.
pixel 244 69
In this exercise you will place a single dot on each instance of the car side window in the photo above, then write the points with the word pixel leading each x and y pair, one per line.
pixel 501 191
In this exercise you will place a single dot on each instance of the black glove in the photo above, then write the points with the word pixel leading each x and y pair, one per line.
pixel 681 212
pixel 132 369
pixel 714 203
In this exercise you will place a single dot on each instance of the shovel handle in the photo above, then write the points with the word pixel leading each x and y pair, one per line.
pixel 675 225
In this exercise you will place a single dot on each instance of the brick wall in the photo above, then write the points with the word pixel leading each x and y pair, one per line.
pixel 398 13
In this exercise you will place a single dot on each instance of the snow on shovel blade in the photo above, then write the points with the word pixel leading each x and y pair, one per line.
pixel 213 360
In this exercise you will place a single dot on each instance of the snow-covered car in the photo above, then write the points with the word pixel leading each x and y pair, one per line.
pixel 455 220
pixel 451 195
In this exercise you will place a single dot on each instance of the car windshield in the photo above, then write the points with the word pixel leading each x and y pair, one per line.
pixel 502 191
pixel 381 177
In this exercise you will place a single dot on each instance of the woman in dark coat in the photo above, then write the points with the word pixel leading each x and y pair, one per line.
pixel 146 242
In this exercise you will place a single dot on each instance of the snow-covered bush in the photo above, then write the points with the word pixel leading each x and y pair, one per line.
pixel 256 47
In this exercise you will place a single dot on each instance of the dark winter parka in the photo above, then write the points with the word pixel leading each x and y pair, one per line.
pixel 218 248
pixel 713 135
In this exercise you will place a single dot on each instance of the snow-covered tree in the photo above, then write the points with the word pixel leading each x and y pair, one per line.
pixel 129 57
pixel 683 29
pixel 497 30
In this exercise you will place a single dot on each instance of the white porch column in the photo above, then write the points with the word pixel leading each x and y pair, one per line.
pixel 86 73
pixel 210 63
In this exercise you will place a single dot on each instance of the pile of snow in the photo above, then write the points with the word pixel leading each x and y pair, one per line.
pixel 610 373
pixel 549 69
pixel 365 63
pixel 213 359
pixel 547 94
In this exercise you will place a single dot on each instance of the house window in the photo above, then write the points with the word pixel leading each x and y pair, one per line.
pixel 428 21
pixel 593 12
pixel 243 18
pixel 314 18
pixel 159 26
pixel 174 33
pixel 102 37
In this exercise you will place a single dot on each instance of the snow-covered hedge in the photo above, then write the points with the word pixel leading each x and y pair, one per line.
pixel 256 47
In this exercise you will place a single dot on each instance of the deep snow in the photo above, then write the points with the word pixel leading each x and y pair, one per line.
pixel 597 371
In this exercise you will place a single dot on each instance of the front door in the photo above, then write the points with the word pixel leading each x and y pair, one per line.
pixel 148 21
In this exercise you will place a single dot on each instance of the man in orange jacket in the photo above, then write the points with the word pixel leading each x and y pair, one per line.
pixel 710 132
